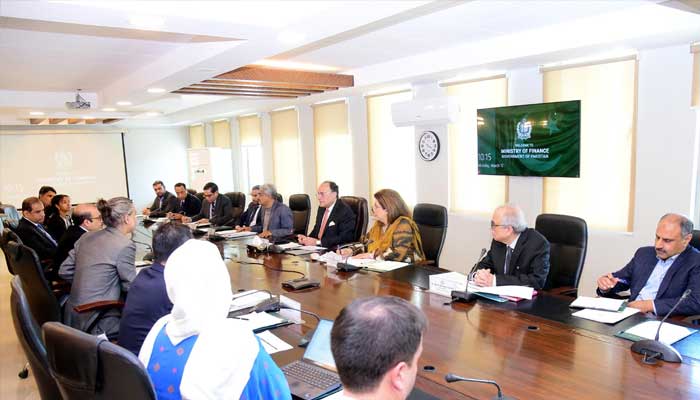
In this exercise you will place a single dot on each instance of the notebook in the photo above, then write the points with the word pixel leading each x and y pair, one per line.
pixel 314 376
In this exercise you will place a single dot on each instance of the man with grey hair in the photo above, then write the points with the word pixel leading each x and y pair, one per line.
pixel 518 256
pixel 657 276
pixel 275 219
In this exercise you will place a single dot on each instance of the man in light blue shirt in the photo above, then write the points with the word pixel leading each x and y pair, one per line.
pixel 657 276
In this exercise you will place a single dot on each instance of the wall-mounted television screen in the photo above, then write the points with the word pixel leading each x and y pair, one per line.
pixel 530 140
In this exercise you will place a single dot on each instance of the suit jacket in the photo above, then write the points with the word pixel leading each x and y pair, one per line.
pixel 159 209
pixel 340 227
pixel 248 214
pixel 66 244
pixel 281 221
pixel 101 267
pixel 222 211
pixel 189 207
pixel 34 238
pixel 683 274
pixel 56 226
pixel 529 262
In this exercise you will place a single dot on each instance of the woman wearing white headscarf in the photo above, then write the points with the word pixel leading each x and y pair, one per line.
pixel 196 352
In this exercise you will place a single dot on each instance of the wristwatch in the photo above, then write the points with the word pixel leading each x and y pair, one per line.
pixel 318 242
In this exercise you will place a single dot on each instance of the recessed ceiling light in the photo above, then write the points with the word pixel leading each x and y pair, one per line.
pixel 123 103
pixel 152 114
pixel 155 90
pixel 36 113
pixel 109 109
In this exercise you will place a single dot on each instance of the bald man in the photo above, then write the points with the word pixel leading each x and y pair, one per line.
pixel 85 218
pixel 518 256
pixel 658 275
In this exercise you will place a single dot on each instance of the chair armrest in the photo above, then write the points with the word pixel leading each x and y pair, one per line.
pixel 98 305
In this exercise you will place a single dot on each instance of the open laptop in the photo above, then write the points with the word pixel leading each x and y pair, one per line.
pixel 314 376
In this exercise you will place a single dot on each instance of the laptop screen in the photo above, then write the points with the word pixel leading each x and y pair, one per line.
pixel 319 348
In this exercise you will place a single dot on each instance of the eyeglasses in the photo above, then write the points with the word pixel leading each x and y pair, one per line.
pixel 495 225
pixel 323 194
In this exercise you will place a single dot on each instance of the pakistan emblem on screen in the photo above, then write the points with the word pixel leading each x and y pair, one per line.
pixel 524 129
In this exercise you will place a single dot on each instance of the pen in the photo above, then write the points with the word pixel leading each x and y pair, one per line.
pixel 244 319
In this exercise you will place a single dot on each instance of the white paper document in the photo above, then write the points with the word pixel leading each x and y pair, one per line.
pixel 606 317
pixel 271 343
pixel 232 234
pixel 669 333
pixel 289 246
pixel 444 284
pixel 375 265
pixel 312 248
pixel 597 303
pixel 521 292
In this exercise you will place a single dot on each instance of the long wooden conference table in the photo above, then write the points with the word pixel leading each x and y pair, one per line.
pixel 534 349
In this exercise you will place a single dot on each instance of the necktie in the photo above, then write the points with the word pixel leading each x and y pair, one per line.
pixel 509 253
pixel 160 203
pixel 211 209
pixel 182 205
pixel 323 223
pixel 41 228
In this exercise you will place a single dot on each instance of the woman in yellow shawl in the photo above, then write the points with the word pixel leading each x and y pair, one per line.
pixel 394 236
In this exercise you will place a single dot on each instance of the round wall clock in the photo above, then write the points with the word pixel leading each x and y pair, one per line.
pixel 429 146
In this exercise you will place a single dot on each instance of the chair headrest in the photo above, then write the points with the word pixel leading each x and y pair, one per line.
pixel 430 215
pixel 73 356
pixel 299 202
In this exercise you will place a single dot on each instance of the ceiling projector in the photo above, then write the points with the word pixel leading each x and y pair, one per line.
pixel 79 103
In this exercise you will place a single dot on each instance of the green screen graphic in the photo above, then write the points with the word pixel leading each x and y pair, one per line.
pixel 530 140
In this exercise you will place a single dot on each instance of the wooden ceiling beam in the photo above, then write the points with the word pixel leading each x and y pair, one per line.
pixel 37 121
pixel 73 121
pixel 92 121
pixel 216 81
pixel 261 91
pixel 56 121
pixel 248 94
pixel 265 74
pixel 252 88
pixel 111 120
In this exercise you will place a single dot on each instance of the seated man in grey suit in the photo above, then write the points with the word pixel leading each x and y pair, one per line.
pixel 101 267
pixel 164 202
pixel 216 209
pixel 335 221
pixel 518 256
pixel 275 219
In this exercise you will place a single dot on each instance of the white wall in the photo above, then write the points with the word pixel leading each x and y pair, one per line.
pixel 154 154
pixel 663 176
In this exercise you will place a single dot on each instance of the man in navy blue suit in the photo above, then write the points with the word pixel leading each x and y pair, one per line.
pixel 657 276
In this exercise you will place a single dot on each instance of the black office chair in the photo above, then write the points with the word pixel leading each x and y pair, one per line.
pixel 568 241
pixel 432 224
pixel 279 198
pixel 358 205
pixel 695 240
pixel 200 196
pixel 8 236
pixel 238 206
pixel 191 191
pixel 301 211
pixel 89 367
pixel 29 335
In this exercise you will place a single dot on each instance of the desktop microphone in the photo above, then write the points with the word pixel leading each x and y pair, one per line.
pixel 149 255
pixel 456 378
pixel 465 295
pixel 653 349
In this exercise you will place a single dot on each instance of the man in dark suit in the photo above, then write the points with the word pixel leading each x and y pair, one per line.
pixel 335 221
pixel 164 202
pixel 518 256
pixel 187 205
pixel 33 233
pixel 86 218
pixel 46 194
pixel 275 220
pixel 148 299
pixel 216 209
pixel 250 215
pixel 657 276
